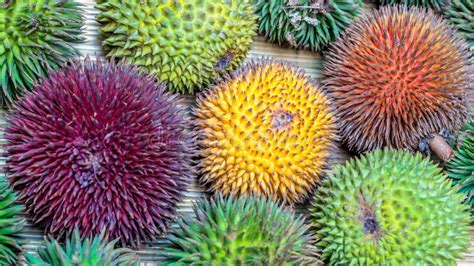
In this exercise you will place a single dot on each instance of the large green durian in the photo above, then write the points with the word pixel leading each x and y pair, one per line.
pixel 460 13
pixel 35 36
pixel 96 251
pixel 241 231
pixel 10 224
pixel 390 208
pixel 461 167
pixel 305 23
pixel 185 43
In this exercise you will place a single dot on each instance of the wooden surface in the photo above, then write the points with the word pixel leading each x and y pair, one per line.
pixel 469 257
pixel 310 62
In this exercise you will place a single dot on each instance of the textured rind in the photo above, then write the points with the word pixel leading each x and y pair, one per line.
pixel 306 24
pixel 241 231
pixel 77 251
pixel 186 43
pixel 245 150
pixel 421 219
pixel 11 224
pixel 397 77
pixel 437 5
pixel 35 37
pixel 460 13
pixel 461 167
pixel 100 146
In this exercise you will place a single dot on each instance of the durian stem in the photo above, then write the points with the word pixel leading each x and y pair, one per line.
pixel 441 148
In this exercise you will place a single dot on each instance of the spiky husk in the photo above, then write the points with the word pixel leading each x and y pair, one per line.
pixel 305 23
pixel 77 251
pixel 35 37
pixel 390 207
pixel 264 130
pixel 186 43
pixel 437 5
pixel 241 231
pixel 397 77
pixel 11 224
pixel 461 167
pixel 100 146
pixel 460 13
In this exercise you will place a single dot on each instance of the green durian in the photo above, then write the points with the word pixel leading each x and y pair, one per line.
pixel 11 224
pixel 437 5
pixel 390 207
pixel 186 43
pixel 460 13
pixel 35 37
pixel 241 231
pixel 460 168
pixel 305 23
pixel 91 251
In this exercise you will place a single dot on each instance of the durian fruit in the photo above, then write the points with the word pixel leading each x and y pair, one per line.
pixel 241 231
pixel 399 78
pixel 437 5
pixel 11 224
pixel 35 37
pixel 99 146
pixel 461 167
pixel 390 207
pixel 460 13
pixel 96 251
pixel 264 130
pixel 305 23
pixel 185 43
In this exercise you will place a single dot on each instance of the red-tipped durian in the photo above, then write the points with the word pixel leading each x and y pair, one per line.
pixel 398 77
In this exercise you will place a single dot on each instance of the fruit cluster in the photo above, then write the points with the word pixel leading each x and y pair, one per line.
pixel 100 154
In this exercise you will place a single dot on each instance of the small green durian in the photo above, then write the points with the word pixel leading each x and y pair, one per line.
pixel 241 231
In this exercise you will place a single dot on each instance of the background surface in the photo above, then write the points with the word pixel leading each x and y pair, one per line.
pixel 310 62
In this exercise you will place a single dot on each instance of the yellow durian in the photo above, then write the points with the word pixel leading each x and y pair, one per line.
pixel 264 130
